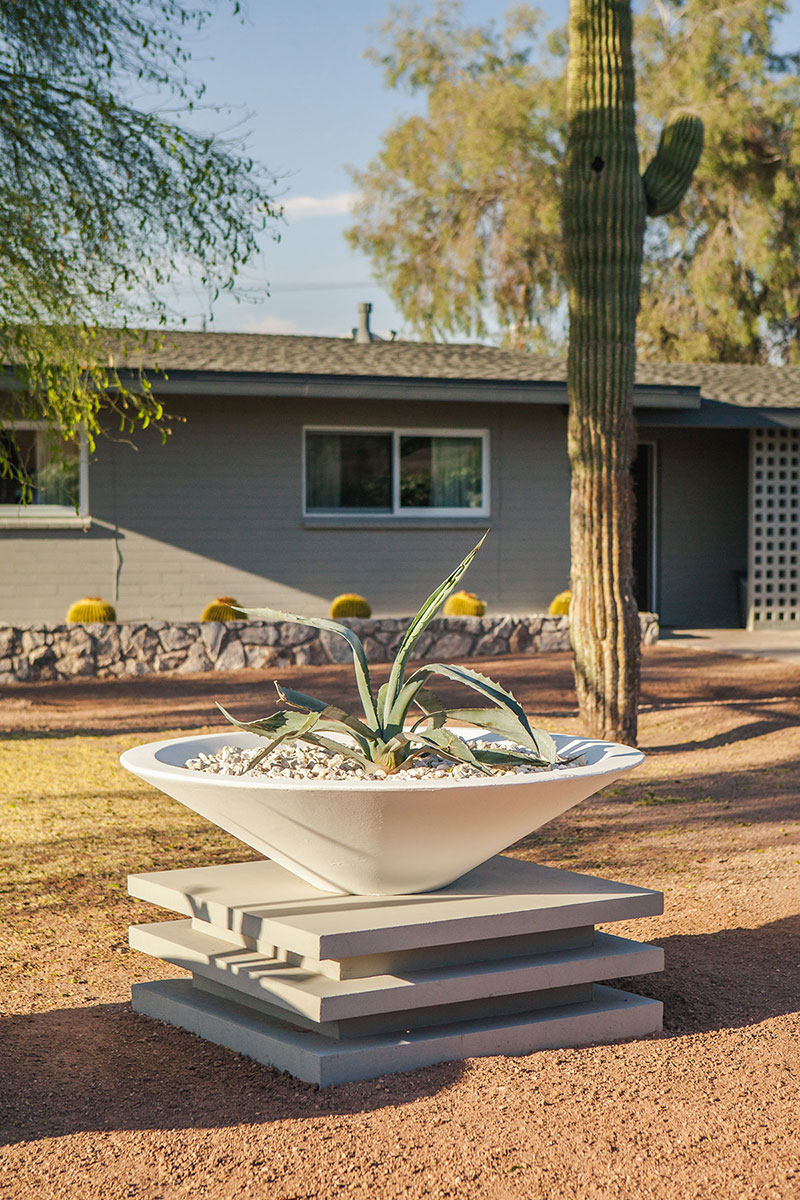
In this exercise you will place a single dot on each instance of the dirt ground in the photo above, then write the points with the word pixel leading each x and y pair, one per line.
pixel 99 1103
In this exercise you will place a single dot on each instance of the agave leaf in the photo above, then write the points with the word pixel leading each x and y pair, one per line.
pixel 297 726
pixel 291 723
pixel 345 751
pixel 262 754
pixel 474 679
pixel 397 742
pixel 496 720
pixel 308 723
pixel 542 741
pixel 279 722
pixel 415 631
pixel 433 709
pixel 394 721
pixel 299 699
pixel 445 741
pixel 359 657
pixel 411 753
pixel 329 712
pixel 503 758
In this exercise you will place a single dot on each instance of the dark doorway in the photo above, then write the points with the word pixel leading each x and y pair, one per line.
pixel 643 472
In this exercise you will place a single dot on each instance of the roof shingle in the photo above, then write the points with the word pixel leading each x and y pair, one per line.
pixel 288 354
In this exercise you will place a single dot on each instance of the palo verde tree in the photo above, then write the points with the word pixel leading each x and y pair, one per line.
pixel 605 205
pixel 106 194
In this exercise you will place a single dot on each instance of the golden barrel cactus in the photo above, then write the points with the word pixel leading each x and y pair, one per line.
pixel 559 606
pixel 464 604
pixel 222 609
pixel 349 604
pixel 91 610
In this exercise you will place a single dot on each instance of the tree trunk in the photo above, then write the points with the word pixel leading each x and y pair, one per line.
pixel 603 224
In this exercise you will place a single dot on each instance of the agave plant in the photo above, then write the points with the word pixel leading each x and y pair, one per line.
pixel 405 719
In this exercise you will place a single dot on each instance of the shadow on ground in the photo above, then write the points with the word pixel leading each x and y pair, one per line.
pixel 105 1068
pixel 726 980
pixel 770 716
pixel 542 682
pixel 717 804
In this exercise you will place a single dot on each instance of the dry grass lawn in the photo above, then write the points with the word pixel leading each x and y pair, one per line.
pixel 96 1102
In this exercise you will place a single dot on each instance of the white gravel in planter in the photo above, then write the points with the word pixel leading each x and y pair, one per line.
pixel 299 761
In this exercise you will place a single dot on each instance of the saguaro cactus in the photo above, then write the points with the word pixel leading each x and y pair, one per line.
pixel 604 211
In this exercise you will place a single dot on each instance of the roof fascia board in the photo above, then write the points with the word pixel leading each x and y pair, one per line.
pixel 664 396
pixel 714 414
pixel 345 387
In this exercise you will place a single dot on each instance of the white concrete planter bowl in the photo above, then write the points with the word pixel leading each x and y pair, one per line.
pixel 383 838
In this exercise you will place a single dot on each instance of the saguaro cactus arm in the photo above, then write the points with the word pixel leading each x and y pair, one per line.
pixel 669 174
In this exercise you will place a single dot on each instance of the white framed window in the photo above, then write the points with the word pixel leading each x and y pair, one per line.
pixel 395 472
pixel 59 476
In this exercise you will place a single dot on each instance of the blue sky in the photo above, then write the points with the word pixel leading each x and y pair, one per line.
pixel 315 105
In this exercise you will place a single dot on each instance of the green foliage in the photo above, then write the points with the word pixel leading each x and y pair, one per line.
pixel 221 609
pixel 104 200
pixel 91 610
pixel 381 741
pixel 722 277
pixel 464 604
pixel 460 207
pixel 350 604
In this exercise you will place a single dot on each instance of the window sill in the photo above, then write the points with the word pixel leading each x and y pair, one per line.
pixel 13 518
pixel 394 522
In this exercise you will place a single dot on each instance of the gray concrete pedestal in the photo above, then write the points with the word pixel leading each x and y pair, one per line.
pixel 335 988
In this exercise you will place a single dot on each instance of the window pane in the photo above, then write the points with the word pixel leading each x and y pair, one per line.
pixel 441 472
pixel 57 475
pixel 349 472
pixel 54 470
pixel 21 450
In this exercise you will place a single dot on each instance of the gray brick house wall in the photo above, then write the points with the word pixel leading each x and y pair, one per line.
pixel 218 509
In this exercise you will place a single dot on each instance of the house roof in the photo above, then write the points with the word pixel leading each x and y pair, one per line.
pixel 729 383
pixel 287 354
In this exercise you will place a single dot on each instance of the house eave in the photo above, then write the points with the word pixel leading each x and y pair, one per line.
pixel 716 414
pixel 394 389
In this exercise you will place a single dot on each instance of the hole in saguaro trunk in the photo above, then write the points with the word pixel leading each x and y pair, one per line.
pixel 598 165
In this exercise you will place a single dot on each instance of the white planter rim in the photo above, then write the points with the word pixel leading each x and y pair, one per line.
pixel 155 760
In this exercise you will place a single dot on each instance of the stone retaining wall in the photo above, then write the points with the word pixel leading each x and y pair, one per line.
pixel 46 652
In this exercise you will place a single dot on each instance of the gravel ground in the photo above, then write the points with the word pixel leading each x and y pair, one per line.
pixel 98 1103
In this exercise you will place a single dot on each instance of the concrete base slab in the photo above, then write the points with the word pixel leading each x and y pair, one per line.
pixel 302 993
pixel 611 1015
pixel 334 988
pixel 504 897
pixel 404 1022
pixel 423 958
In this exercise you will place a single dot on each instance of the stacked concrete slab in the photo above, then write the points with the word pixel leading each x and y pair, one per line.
pixel 334 988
